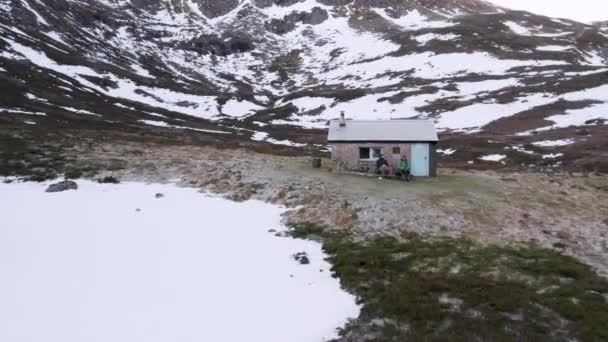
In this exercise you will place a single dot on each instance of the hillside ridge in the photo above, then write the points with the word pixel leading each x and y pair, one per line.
pixel 528 87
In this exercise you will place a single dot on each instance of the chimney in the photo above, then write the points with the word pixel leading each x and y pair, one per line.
pixel 342 120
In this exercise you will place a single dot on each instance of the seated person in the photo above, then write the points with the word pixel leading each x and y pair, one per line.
pixel 403 168
pixel 382 166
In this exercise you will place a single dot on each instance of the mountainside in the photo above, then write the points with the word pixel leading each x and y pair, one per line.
pixel 503 86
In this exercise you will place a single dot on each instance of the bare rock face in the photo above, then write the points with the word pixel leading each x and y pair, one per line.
pixel 214 8
pixel 268 3
pixel 219 46
pixel 289 22
pixel 463 6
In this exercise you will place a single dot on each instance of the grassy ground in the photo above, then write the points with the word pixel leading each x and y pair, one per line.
pixel 453 184
pixel 36 161
pixel 454 290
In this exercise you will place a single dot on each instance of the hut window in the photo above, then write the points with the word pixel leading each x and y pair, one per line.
pixel 396 150
pixel 369 153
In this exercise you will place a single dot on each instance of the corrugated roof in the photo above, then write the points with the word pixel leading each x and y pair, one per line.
pixel 382 130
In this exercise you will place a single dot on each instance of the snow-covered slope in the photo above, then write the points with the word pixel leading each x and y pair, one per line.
pixel 273 66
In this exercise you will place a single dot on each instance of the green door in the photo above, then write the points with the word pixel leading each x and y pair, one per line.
pixel 420 160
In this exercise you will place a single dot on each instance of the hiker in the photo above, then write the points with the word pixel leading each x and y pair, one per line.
pixel 403 168
pixel 382 166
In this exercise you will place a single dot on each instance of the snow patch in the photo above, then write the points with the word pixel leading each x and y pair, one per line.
pixel 554 143
pixel 481 114
pixel 473 88
pixel 553 155
pixel 553 35
pixel 166 125
pixel 37 16
pixel 521 149
pixel 582 117
pixel 155 123
pixel 19 111
pixel 141 71
pixel 413 20
pixel 447 152
pixel 132 267
pixel 201 130
pixel 553 48
pixel 194 105
pixel 425 38
pixel 239 109
pixel 56 37
pixel 429 66
pixel 279 12
pixel 35 98
pixel 517 28
pixel 79 111
pixel 594 58
pixel 263 136
pixel 493 157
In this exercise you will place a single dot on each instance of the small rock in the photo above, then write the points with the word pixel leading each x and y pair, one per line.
pixel 272 230
pixel 108 180
pixel 62 186
pixel 399 256
pixel 159 195
pixel 302 258
pixel 138 210
pixel 559 245
pixel 564 235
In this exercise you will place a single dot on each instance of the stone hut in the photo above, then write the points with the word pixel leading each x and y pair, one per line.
pixel 356 145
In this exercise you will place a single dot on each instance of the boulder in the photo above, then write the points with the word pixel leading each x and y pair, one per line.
pixel 62 186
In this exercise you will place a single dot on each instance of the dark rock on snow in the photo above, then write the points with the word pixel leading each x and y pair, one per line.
pixel 62 186
pixel 302 258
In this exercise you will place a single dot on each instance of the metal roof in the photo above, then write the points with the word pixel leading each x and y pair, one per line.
pixel 383 130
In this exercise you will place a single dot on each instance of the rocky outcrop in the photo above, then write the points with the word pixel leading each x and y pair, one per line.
pixel 219 46
pixel 289 22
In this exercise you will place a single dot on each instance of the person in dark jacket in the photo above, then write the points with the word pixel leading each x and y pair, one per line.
pixel 382 166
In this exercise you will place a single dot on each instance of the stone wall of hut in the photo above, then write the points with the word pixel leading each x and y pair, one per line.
pixel 345 156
